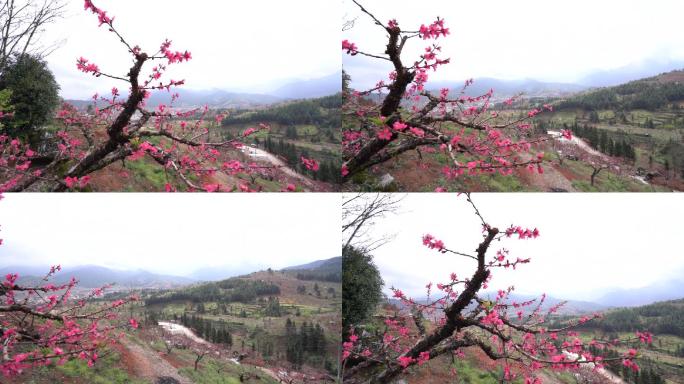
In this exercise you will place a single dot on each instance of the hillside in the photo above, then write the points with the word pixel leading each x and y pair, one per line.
pixel 661 361
pixel 308 128
pixel 271 316
pixel 323 270
pixel 652 93
pixel 263 327
pixel 660 318
pixel 627 138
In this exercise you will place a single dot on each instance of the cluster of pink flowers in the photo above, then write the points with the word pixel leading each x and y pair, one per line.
pixel 174 57
pixel 523 233
pixel 75 182
pixel 83 65
pixel 101 15
pixel 434 30
pixel 350 47
pixel 310 164
pixel 432 243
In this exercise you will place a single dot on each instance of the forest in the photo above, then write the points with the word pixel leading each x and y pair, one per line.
pixel 296 112
pixel 226 291
pixel 659 318
pixel 645 94
pixel 304 344
pixel 602 141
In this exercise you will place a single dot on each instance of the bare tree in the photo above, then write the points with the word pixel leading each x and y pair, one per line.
pixel 359 213
pixel 22 22
pixel 597 161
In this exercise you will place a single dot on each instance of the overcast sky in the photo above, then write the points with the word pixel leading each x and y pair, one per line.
pixel 549 41
pixel 252 46
pixel 169 233
pixel 588 242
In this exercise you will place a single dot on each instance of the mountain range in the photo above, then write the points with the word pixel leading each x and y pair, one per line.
pixel 630 72
pixel 661 291
pixel 91 276
pixel 220 98
pixel 334 264
pixel 671 289
pixel 537 88
pixel 507 88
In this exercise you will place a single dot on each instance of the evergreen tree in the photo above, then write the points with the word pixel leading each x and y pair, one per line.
pixel 34 96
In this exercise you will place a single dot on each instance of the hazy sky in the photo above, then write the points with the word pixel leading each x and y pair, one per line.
pixel 550 41
pixel 169 233
pixel 248 45
pixel 588 242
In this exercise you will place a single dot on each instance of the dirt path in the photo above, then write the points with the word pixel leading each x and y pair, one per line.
pixel 148 365
pixel 550 180
pixel 182 330
pixel 177 329
pixel 256 154
pixel 579 143
pixel 604 373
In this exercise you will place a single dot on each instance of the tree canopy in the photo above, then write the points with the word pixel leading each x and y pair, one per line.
pixel 34 96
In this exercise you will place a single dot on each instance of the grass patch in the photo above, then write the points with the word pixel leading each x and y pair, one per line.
pixel 144 172
pixel 103 372
pixel 215 372
pixel 468 374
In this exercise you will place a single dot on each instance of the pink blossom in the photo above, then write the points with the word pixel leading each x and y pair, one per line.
pixel 349 47
pixel 385 134
pixel 405 361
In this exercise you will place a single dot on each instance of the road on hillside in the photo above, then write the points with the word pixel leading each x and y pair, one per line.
pixel 578 142
pixel 612 378
pixel 178 329
pixel 148 365
pixel 257 153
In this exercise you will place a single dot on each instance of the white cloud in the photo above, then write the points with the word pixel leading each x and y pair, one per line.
pixel 248 45
pixel 169 233
pixel 588 242
pixel 551 41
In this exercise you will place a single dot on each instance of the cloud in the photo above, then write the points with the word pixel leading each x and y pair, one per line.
pixel 242 48
pixel 529 38
pixel 174 234
pixel 588 242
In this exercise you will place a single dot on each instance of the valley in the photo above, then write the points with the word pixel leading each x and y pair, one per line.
pixel 626 138
pixel 290 130
pixel 263 327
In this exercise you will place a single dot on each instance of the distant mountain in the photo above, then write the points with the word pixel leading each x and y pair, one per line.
pixel 507 88
pixel 629 73
pixel 324 270
pixel 663 317
pixel 661 291
pixel 572 307
pixel 307 89
pixel 95 276
pixel 217 273
pixel 216 98
pixel 196 99
pixel 334 263
pixel 649 93
pixel 213 98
